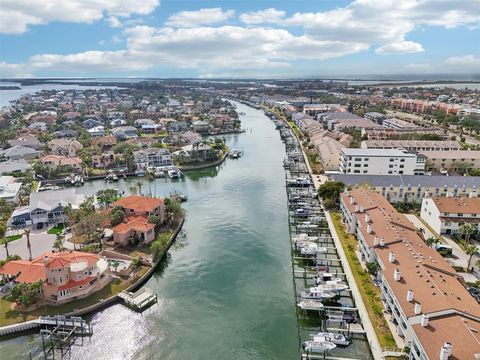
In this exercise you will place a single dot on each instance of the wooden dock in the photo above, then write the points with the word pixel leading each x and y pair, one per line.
pixel 140 299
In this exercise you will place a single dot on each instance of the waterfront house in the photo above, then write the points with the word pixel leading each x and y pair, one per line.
pixel 65 276
pixel 91 123
pixel 38 125
pixel 104 143
pixel 64 147
pixel 47 207
pixel 53 161
pixel 137 209
pixel 152 157
pixel 97 131
pixel 201 127
pixel 15 166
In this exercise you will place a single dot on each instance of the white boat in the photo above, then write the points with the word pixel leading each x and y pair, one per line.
pixel 333 286
pixel 337 339
pixel 139 172
pixel 323 278
pixel 300 181
pixel 318 346
pixel 310 305
pixel 315 293
pixel 175 174
pixel 159 172
pixel 311 249
pixel 304 238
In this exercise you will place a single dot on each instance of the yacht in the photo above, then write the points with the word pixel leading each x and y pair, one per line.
pixel 159 172
pixel 337 339
pixel 333 286
pixel 312 249
pixel 175 174
pixel 315 293
pixel 310 305
pixel 323 278
pixel 139 172
pixel 318 346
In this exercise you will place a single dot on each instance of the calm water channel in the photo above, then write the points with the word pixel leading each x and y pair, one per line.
pixel 225 290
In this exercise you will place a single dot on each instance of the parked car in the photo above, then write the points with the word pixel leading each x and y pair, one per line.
pixel 444 249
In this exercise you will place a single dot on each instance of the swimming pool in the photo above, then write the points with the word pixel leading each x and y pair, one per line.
pixel 122 264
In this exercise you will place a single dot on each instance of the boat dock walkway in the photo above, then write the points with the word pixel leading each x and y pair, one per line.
pixel 140 299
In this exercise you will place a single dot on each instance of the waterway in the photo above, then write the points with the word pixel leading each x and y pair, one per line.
pixel 225 289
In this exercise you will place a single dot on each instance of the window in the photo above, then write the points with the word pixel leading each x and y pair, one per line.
pixel 357 165
pixel 402 160
pixel 389 171
pixel 391 160
pixel 459 214
pixel 402 166
pixel 356 171
pixel 390 166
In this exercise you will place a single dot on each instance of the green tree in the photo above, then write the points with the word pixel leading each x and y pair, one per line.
pixel 471 250
pixel 467 230
pixel 154 219
pixel 116 217
pixel 5 243
pixel 133 190
pixel 25 294
pixel 431 241
pixel 58 243
pixel 139 185
pixel 330 192
pixel 373 268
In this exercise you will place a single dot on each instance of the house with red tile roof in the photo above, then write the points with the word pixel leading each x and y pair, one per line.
pixel 56 160
pixel 65 276
pixel 137 209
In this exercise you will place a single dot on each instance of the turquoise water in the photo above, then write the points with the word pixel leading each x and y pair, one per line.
pixel 225 290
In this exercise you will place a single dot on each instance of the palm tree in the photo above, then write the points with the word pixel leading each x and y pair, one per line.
pixel 26 232
pixel 139 185
pixel 467 230
pixel 5 242
pixel 149 177
pixel 133 190
pixel 471 250
pixel 431 241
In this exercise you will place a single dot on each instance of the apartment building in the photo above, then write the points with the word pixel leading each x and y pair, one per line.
pixel 375 117
pixel 381 133
pixel 452 160
pixel 420 291
pixel 446 214
pixel 413 188
pixel 412 145
pixel 380 162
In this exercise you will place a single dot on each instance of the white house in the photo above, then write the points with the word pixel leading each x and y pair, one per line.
pixel 152 157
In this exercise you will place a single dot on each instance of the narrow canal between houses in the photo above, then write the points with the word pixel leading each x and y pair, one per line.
pixel 225 290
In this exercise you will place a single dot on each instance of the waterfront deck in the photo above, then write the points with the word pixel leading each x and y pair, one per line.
pixel 139 300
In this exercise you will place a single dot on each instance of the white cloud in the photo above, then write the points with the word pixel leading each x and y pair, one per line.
pixel 464 61
pixel 114 22
pixel 401 47
pixel 18 15
pixel 201 17
pixel 13 70
pixel 267 16
pixel 116 39
pixel 386 22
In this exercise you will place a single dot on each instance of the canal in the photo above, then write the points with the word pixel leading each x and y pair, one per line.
pixel 225 289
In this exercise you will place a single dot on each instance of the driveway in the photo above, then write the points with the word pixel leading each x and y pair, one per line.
pixel 41 242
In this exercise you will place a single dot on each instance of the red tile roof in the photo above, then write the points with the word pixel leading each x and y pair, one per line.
pixel 29 273
pixel 73 284
pixel 139 203
pixel 137 223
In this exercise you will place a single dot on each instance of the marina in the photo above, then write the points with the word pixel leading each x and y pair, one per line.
pixel 328 319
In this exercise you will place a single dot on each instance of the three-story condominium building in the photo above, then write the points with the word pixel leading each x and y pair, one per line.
pixel 420 291
pixel 445 215
pixel 380 162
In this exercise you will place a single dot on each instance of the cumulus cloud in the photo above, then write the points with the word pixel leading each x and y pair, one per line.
pixel 467 60
pixel 267 16
pixel 386 22
pixel 401 47
pixel 18 15
pixel 201 17
pixel 14 70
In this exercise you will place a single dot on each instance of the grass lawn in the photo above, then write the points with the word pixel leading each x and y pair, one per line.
pixel 8 317
pixel 57 229
pixel 13 237
pixel 370 293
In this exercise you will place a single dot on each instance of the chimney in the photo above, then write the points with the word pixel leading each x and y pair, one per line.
pixel 367 218
pixel 445 351
pixel 369 229
pixel 376 240
pixel 409 295
pixel 418 308
pixel 361 208
pixel 352 200
pixel 391 257
pixel 45 259
pixel 382 242
pixel 357 208
pixel 396 275
pixel 424 321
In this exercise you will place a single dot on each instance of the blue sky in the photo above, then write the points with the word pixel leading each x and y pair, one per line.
pixel 184 38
